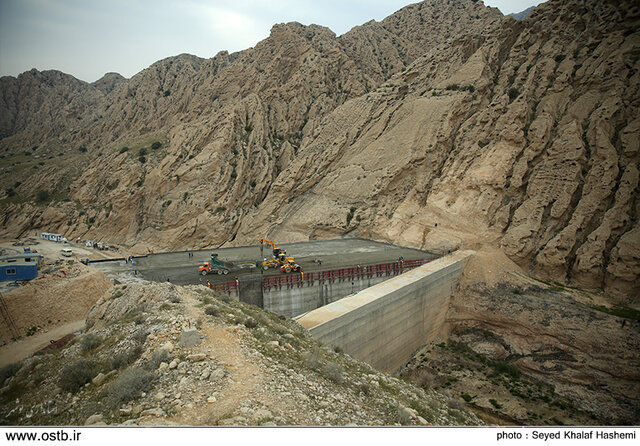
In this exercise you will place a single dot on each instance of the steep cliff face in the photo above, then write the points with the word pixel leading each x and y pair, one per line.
pixel 524 133
pixel 444 124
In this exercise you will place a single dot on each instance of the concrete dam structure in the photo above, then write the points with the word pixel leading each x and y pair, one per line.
pixel 385 324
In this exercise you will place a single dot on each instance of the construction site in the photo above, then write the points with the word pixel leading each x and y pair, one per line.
pixel 288 279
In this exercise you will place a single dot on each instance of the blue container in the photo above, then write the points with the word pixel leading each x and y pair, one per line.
pixel 18 271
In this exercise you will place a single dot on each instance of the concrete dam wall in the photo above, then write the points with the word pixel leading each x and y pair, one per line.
pixel 294 295
pixel 383 325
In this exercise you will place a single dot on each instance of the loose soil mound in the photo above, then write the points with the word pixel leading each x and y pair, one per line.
pixel 53 299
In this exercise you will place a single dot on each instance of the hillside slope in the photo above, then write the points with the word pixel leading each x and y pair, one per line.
pixel 445 124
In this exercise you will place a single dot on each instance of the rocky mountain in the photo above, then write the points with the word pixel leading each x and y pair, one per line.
pixel 444 125
pixel 522 14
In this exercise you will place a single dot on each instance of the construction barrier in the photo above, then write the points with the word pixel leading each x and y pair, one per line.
pixel 298 280
pixel 227 287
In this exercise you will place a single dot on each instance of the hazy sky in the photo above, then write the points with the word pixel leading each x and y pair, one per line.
pixel 87 38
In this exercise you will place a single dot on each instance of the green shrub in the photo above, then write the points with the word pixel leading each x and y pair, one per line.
pixel 128 387
pixel 507 369
pixel 10 192
pixel 211 310
pixel 513 93
pixel 453 87
pixel 495 404
pixel 559 58
pixel 125 358
pixel 124 149
pixel 82 149
pixel 156 145
pixel 42 195
pixel 8 371
pixel 466 397
pixel 251 323
pixel 76 375
pixel 142 159
pixel 89 342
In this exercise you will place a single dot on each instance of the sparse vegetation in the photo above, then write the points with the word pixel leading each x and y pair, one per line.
pixel 156 145
pixel 211 310
pixel 466 397
pixel 623 312
pixel 502 367
pixel 495 404
pixel 334 372
pixel 89 342
pixel 76 375
pixel 129 386
pixel 350 215
pixel 126 357
pixel 513 93
pixel 158 358
pixel 8 371
pixel 42 196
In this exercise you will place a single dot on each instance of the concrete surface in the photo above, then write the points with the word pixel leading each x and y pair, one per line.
pixel 181 269
pixel 383 325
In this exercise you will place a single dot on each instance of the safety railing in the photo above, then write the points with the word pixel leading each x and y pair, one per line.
pixel 297 280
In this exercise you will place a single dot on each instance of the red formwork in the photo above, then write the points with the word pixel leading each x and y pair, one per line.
pixel 225 286
pixel 297 280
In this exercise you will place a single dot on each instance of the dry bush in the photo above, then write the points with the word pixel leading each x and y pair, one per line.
pixel 128 387
pixel 334 372
pixel 211 310
pixel 76 375
pixel 90 341
pixel 158 358
pixel 124 358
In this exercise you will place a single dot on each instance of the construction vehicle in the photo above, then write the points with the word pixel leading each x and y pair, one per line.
pixel 288 267
pixel 280 258
pixel 216 266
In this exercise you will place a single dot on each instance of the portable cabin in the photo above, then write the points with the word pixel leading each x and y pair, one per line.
pixel 55 237
pixel 18 271
pixel 21 258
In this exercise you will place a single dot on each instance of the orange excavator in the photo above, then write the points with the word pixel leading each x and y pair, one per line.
pixel 280 259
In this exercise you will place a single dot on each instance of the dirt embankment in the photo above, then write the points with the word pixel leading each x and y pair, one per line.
pixel 53 299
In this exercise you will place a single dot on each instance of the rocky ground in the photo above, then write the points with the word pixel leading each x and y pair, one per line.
pixel 158 354
pixel 535 354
